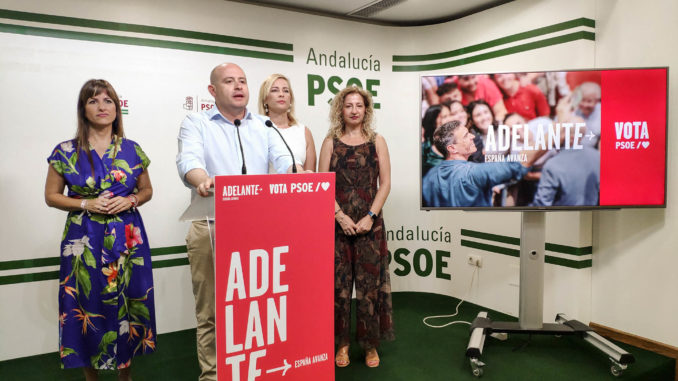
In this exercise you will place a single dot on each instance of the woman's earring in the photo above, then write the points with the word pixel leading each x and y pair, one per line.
pixel 266 108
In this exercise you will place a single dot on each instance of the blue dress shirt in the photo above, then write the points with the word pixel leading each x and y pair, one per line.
pixel 460 183
pixel 208 140
pixel 571 178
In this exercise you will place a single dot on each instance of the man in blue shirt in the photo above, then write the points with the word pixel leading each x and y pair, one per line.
pixel 456 182
pixel 570 178
pixel 208 147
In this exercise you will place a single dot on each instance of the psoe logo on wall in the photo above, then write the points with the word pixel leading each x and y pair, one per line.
pixel 319 84
pixel 631 135
pixel 124 106
pixel 197 104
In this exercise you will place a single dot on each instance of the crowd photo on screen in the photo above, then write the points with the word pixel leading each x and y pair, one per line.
pixel 511 140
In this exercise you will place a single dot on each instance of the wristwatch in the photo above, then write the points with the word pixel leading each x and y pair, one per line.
pixel 372 215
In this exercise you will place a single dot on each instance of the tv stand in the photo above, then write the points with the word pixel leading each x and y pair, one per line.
pixel 531 306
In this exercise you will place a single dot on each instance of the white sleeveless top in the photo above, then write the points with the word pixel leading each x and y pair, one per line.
pixel 295 136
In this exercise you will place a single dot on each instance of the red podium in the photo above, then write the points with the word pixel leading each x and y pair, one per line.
pixel 274 264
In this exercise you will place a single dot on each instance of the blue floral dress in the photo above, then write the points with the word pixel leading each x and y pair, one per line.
pixel 106 304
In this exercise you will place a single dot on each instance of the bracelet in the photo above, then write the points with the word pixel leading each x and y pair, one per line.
pixel 133 199
pixel 83 204
pixel 337 212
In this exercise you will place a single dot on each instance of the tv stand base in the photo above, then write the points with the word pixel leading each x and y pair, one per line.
pixel 483 326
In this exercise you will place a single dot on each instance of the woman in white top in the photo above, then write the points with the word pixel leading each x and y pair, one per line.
pixel 276 100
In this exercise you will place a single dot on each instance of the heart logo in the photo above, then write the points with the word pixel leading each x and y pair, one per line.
pixel 645 144
pixel 325 185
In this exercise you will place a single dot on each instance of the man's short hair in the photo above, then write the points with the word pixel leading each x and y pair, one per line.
pixel 443 136
pixel 446 87
pixel 589 87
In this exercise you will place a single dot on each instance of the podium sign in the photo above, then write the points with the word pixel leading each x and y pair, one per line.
pixel 274 264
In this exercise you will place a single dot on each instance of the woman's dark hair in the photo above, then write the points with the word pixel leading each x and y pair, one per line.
pixel 469 109
pixel 468 117
pixel 508 115
pixel 90 89
pixel 428 122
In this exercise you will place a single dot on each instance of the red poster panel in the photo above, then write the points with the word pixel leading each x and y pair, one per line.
pixel 274 277
pixel 633 137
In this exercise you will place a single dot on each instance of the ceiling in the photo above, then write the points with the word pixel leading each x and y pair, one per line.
pixel 385 12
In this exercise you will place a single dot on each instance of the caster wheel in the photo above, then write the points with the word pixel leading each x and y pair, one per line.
pixel 477 367
pixel 616 371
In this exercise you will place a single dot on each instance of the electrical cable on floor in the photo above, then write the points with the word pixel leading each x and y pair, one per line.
pixel 456 309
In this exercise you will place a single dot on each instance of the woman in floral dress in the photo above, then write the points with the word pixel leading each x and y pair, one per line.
pixel 106 305
pixel 360 158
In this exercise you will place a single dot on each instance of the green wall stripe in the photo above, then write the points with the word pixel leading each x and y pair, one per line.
pixel 568 262
pixel 490 237
pixel 23 278
pixel 49 275
pixel 491 248
pixel 553 247
pixel 169 250
pixel 147 42
pixel 501 52
pixel 499 41
pixel 54 261
pixel 28 263
pixel 585 250
pixel 170 263
pixel 99 24
pixel 516 253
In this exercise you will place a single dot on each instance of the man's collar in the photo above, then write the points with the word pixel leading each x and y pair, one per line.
pixel 214 112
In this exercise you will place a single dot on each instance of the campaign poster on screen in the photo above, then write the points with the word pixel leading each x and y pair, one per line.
pixel 544 140
pixel 274 277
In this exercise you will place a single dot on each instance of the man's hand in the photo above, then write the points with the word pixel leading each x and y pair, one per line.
pixel 203 187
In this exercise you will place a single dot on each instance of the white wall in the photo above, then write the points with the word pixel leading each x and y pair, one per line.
pixel 40 77
pixel 635 259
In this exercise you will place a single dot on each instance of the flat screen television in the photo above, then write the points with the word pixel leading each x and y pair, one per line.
pixel 581 139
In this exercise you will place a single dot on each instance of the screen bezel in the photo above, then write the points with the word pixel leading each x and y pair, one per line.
pixel 546 208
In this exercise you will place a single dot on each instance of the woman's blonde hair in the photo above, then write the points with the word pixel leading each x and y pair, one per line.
pixel 337 117
pixel 266 88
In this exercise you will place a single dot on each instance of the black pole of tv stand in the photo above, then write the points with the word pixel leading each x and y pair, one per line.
pixel 531 305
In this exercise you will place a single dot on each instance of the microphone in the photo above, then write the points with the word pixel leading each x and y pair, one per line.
pixel 242 153
pixel 269 124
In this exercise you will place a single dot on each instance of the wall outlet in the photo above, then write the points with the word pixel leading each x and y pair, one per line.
pixel 475 260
